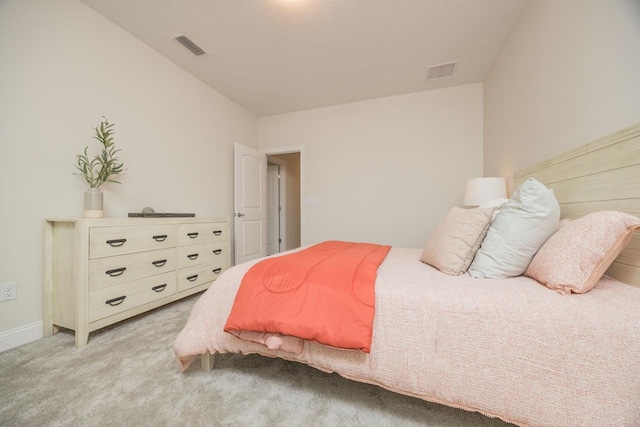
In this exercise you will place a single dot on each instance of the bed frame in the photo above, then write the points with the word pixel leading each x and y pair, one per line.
pixel 601 175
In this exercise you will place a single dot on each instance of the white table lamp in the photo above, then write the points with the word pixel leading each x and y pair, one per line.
pixel 482 190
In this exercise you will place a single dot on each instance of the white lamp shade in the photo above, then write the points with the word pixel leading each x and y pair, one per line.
pixel 482 190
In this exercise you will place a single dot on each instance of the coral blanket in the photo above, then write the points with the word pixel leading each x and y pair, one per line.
pixel 324 293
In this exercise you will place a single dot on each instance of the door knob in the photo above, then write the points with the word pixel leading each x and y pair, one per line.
pixel 239 214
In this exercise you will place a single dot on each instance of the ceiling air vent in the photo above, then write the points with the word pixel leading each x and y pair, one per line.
pixel 441 71
pixel 189 44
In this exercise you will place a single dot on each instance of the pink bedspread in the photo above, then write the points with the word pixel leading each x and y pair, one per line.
pixel 511 349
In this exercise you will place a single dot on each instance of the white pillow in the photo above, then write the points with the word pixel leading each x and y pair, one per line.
pixel 498 204
pixel 495 203
pixel 525 222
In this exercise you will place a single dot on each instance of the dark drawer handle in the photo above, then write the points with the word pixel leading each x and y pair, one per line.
pixel 192 256
pixel 159 263
pixel 217 270
pixel 192 278
pixel 159 288
pixel 116 301
pixel 116 242
pixel 160 237
pixel 217 232
pixel 192 235
pixel 217 251
pixel 116 271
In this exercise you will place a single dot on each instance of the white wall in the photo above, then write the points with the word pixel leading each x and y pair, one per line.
pixel 568 74
pixel 384 170
pixel 62 67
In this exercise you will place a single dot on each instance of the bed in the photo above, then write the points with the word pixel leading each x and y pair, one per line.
pixel 510 348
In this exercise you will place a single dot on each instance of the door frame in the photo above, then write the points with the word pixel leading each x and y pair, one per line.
pixel 303 210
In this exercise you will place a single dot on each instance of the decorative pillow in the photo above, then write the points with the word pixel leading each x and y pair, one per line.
pixel 574 259
pixel 525 222
pixel 455 241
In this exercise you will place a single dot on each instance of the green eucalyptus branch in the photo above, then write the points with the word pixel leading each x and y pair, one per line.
pixel 104 166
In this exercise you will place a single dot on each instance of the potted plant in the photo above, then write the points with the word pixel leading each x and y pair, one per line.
pixel 98 170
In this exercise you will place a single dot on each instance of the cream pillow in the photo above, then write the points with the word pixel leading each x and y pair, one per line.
pixel 525 222
pixel 574 259
pixel 455 241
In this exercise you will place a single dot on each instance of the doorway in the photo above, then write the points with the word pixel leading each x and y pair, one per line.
pixel 276 198
pixel 283 201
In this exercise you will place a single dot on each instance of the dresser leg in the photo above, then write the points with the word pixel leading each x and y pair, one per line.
pixel 81 339
pixel 206 361
pixel 49 328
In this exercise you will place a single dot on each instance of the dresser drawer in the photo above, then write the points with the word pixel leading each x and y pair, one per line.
pixel 201 254
pixel 112 271
pixel 189 234
pixel 106 302
pixel 110 241
pixel 200 274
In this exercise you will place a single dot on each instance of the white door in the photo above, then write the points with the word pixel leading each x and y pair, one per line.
pixel 250 189
pixel 273 209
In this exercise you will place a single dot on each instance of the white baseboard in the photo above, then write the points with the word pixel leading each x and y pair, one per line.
pixel 21 335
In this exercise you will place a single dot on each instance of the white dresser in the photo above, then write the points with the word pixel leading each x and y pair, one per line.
pixel 101 271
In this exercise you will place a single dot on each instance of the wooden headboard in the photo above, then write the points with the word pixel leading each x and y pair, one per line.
pixel 601 175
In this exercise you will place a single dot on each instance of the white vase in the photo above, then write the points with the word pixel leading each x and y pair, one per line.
pixel 93 203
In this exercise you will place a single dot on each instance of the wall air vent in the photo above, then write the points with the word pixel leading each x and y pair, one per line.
pixel 189 44
pixel 441 71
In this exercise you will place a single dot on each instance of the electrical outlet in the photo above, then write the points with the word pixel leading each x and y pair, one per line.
pixel 8 291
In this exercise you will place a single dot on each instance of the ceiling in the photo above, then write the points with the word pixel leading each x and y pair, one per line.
pixel 279 56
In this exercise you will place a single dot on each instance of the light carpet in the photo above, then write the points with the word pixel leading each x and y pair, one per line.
pixel 128 376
